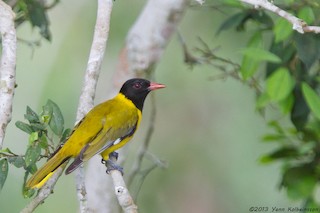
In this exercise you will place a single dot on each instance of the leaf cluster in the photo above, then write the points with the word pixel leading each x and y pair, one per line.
pixel 291 85
pixel 284 67
pixel 42 129
pixel 35 12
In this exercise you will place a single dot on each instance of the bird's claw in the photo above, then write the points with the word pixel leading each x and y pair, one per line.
pixel 113 166
pixel 110 163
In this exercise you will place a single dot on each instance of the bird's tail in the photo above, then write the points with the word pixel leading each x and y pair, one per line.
pixel 44 173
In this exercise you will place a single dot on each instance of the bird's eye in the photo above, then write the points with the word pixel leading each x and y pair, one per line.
pixel 137 85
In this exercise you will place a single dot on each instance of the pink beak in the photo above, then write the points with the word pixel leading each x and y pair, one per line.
pixel 154 86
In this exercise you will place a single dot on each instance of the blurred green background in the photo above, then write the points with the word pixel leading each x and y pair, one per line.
pixel 207 131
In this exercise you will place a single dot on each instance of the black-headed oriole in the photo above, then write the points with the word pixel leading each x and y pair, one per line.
pixel 106 128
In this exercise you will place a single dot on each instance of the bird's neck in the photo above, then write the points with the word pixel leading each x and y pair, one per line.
pixel 137 102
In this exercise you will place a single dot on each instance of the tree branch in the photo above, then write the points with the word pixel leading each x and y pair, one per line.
pixel 148 38
pixel 125 200
pixel 44 192
pixel 7 66
pixel 145 44
pixel 96 56
pixel 297 24
pixel 86 100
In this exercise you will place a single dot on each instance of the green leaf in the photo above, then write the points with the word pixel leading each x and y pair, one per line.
pixel 273 137
pixel 286 104
pixel 287 2
pixel 312 99
pixel 38 17
pixel 17 161
pixel 285 50
pixel 65 135
pixel 300 110
pixel 282 30
pixel 248 66
pixel 32 154
pixel 276 126
pixel 306 14
pixel 263 18
pixel 284 152
pixel 233 3
pixel 32 168
pixel 6 151
pixel 307 148
pixel 256 40
pixel 308 48
pixel 311 204
pixel 299 181
pixel 26 192
pixel 38 127
pixel 56 122
pixel 31 116
pixel 24 127
pixel 43 142
pixel 4 168
pixel 231 22
pixel 262 101
pixel 46 114
pixel 34 136
pixel 279 84
pixel 258 54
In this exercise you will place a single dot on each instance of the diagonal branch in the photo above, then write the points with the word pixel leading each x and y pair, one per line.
pixel 144 47
pixel 7 66
pixel 44 192
pixel 297 24
pixel 86 100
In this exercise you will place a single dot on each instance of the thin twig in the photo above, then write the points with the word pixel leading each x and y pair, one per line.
pixel 297 24
pixel 157 163
pixel 145 173
pixel 7 66
pixel 144 147
pixel 31 44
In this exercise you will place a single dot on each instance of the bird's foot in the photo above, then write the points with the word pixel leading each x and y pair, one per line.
pixel 113 166
pixel 114 156
pixel 111 163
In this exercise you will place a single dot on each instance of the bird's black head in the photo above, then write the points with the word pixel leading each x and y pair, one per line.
pixel 137 89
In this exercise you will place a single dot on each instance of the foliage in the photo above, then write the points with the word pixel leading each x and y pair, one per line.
pixel 50 120
pixel 42 129
pixel 34 12
pixel 282 67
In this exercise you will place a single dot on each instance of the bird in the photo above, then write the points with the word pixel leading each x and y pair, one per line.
pixel 105 128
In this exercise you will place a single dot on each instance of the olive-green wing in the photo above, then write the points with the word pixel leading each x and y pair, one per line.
pixel 116 126
pixel 110 135
pixel 89 150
